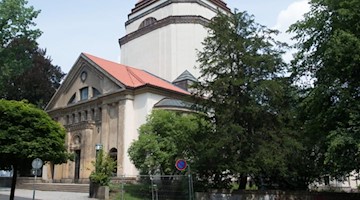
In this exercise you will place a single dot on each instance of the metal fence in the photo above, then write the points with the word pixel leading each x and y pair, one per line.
pixel 153 187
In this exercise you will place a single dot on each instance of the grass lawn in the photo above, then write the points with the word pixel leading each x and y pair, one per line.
pixel 131 192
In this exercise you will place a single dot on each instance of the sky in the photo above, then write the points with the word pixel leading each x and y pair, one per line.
pixel 94 26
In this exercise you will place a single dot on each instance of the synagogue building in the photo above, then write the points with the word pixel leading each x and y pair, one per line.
pixel 102 103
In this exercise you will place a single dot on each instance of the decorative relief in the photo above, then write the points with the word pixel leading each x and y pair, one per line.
pixel 77 139
pixel 75 143
pixel 83 76
pixel 80 126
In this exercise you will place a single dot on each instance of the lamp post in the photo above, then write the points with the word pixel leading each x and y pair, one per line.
pixel 98 147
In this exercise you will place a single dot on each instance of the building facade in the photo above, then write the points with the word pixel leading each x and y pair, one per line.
pixel 103 103
pixel 162 36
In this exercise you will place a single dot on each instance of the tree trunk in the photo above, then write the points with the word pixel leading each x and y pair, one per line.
pixel 13 182
pixel 242 182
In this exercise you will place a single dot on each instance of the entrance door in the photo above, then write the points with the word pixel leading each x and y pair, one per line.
pixel 77 166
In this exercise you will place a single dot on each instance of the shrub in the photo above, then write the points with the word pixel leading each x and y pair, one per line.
pixel 104 166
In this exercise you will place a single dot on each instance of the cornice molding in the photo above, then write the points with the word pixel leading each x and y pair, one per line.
pixel 145 3
pixel 189 19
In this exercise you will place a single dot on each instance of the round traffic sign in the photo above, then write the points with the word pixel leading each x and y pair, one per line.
pixel 37 163
pixel 180 164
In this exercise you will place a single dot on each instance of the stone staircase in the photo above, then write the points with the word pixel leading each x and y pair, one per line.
pixel 61 187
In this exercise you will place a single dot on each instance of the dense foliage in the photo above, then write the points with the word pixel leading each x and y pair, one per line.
pixel 26 133
pixel 38 83
pixel 249 100
pixel 166 137
pixel 25 70
pixel 16 24
pixel 329 51
pixel 104 167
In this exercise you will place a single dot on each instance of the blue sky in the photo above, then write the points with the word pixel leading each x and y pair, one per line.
pixel 94 26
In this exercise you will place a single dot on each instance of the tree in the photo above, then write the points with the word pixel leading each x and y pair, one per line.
pixel 245 94
pixel 329 51
pixel 16 23
pixel 25 70
pixel 166 137
pixel 38 83
pixel 27 132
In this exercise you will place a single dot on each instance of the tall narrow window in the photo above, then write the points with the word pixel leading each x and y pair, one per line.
pixel 113 155
pixel 84 93
pixel 86 115
pixel 93 114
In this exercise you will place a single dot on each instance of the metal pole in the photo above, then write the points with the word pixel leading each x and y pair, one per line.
pixel 189 171
pixel 34 184
pixel 122 187
pixel 152 188
pixel 156 192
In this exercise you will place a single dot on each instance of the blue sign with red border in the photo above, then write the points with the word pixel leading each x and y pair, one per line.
pixel 181 164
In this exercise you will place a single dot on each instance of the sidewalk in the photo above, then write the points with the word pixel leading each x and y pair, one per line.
pixel 21 194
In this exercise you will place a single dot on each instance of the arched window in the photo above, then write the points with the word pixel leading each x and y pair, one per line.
pixel 147 22
pixel 84 93
pixel 113 155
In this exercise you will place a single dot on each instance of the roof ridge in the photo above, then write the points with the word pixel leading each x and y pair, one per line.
pixel 171 83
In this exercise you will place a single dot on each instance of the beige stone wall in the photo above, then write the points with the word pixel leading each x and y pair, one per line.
pixel 105 126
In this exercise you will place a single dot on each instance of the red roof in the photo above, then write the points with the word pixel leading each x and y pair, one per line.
pixel 132 77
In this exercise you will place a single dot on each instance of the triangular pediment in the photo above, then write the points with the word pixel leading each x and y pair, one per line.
pixel 84 82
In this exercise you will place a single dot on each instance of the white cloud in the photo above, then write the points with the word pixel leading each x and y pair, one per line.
pixel 290 15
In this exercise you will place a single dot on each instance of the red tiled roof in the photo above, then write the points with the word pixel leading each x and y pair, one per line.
pixel 132 77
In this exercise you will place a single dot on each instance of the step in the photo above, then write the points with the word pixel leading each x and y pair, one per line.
pixel 63 187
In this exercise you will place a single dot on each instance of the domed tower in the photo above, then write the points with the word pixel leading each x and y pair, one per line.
pixel 162 35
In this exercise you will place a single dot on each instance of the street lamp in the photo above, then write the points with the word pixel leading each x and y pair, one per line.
pixel 98 147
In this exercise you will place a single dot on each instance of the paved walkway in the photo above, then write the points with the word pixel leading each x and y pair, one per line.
pixel 21 194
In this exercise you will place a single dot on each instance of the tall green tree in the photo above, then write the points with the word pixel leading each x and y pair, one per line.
pixel 16 24
pixel 329 51
pixel 26 133
pixel 166 137
pixel 241 80
pixel 38 83
pixel 26 71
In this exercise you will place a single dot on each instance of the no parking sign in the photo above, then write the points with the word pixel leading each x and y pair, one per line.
pixel 181 164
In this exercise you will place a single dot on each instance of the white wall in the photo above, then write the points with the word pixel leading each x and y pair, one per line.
pixel 136 112
pixel 166 52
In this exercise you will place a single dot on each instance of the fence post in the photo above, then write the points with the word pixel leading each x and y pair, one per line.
pixel 190 183
pixel 122 186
